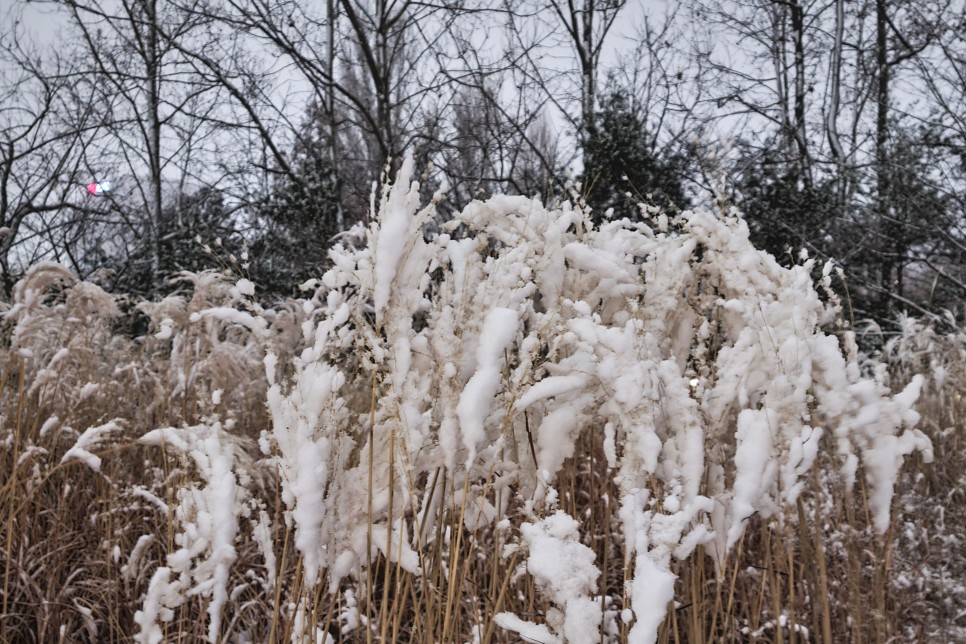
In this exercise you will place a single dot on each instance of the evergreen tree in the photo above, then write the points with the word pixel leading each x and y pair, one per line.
pixel 916 248
pixel 197 231
pixel 620 157
pixel 198 220
pixel 296 222
pixel 784 212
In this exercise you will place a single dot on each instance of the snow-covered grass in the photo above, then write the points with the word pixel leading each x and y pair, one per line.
pixel 930 569
pixel 521 426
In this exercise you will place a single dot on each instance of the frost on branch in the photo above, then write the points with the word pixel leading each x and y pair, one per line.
pixel 701 363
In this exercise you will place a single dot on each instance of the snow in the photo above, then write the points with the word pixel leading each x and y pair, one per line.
pixel 89 440
pixel 255 324
pixel 499 330
pixel 707 376
pixel 245 287
pixel 208 516
pixel 167 328
pixel 130 569
pixel 262 534
pixel 392 239
pixel 140 491
pixel 564 571
pixel 163 595
pixel 48 425
pixel 550 388
pixel 528 631
pixel 755 467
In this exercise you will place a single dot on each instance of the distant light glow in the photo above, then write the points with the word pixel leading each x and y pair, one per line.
pixel 99 187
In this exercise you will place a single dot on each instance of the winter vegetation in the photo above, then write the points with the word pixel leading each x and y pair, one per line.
pixel 514 425
pixel 837 127
pixel 482 321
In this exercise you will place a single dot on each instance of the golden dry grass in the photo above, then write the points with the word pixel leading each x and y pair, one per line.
pixel 78 547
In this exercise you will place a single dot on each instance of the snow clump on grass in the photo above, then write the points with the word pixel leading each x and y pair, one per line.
pixel 208 517
pixel 564 571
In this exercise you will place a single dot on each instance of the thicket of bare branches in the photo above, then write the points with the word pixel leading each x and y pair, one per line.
pixel 838 128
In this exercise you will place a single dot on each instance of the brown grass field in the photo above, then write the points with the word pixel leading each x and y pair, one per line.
pixel 79 544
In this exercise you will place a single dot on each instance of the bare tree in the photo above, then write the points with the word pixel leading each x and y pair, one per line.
pixel 47 118
pixel 490 144
pixel 156 114
pixel 895 44
pixel 539 29
pixel 859 74
pixel 775 76
pixel 373 68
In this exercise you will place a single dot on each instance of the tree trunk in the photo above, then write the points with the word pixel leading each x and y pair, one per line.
pixel 801 136
pixel 153 68
pixel 831 117
pixel 588 88
pixel 889 235
pixel 333 126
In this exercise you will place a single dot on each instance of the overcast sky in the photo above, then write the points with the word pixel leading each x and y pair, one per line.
pixel 44 21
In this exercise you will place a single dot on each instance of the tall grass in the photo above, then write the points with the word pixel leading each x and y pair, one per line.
pixel 521 429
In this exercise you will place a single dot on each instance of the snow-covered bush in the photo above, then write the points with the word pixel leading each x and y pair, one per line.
pixel 930 546
pixel 437 388
pixel 487 350
pixel 58 331
pixel 918 348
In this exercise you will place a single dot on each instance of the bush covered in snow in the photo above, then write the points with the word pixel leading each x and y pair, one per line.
pixel 443 380
pixel 702 361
